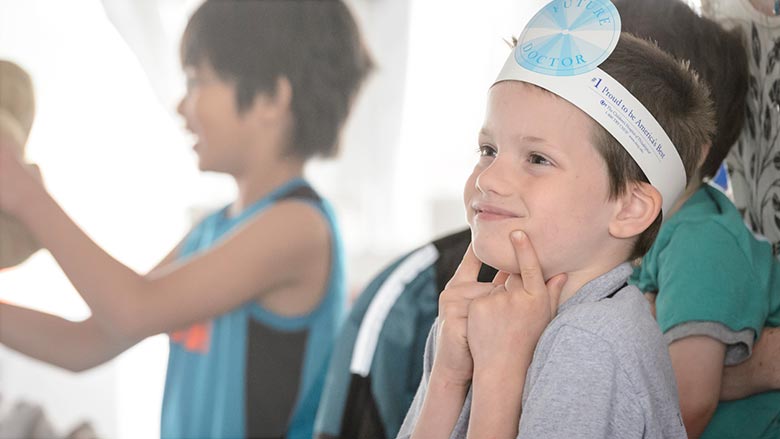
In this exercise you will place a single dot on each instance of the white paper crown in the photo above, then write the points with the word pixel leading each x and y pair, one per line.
pixel 560 50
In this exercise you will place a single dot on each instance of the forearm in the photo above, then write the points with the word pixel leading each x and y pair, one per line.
pixel 496 403
pixel 109 287
pixel 760 373
pixel 698 366
pixel 70 345
pixel 441 408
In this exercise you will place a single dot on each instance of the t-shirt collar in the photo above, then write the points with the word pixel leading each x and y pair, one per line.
pixel 600 287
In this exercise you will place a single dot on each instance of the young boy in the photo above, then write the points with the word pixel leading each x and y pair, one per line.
pixel 717 286
pixel 573 188
pixel 253 295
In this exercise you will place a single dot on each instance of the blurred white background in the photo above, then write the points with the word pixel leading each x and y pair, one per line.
pixel 115 155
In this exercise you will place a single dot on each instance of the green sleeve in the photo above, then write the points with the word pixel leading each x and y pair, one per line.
pixel 704 276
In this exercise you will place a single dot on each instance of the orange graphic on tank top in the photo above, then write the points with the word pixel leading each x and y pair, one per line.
pixel 196 338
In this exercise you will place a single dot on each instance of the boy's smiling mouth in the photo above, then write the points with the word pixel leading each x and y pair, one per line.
pixel 488 212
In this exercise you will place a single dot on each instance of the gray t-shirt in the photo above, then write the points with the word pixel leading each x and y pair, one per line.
pixel 601 369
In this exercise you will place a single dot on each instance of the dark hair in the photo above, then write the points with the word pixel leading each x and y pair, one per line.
pixel 677 99
pixel 717 55
pixel 315 44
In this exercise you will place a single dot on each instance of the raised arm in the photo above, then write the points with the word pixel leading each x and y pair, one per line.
pixel 265 255
pixel 75 346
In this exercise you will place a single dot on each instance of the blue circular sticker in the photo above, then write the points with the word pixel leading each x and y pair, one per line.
pixel 569 37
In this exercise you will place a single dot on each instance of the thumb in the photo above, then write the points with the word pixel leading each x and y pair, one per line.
pixel 36 171
pixel 554 289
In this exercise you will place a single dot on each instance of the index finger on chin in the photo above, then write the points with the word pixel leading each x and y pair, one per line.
pixel 528 262
pixel 468 270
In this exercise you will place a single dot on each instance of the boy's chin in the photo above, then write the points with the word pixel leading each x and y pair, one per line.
pixel 500 259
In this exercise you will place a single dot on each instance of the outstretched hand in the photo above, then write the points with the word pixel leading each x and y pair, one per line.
pixel 18 181
pixel 504 326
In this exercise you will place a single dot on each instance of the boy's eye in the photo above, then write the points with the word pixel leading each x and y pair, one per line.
pixel 536 159
pixel 487 151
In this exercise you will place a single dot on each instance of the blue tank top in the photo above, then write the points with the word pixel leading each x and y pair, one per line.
pixel 250 372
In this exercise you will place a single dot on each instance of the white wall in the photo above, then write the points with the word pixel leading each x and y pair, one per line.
pixel 119 165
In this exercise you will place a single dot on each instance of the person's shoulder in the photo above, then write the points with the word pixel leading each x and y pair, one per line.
pixel 708 210
pixel 294 234
pixel 433 262
pixel 623 321
pixel 712 234
pixel 417 272
pixel 297 220
pixel 389 274
pixel 708 219
pixel 620 331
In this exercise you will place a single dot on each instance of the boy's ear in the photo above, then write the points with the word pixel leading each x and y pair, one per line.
pixel 636 210
pixel 274 104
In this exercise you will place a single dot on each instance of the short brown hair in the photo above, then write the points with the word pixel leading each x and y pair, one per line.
pixel 315 44
pixel 677 99
pixel 717 55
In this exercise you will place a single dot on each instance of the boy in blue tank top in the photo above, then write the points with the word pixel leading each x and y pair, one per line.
pixel 253 295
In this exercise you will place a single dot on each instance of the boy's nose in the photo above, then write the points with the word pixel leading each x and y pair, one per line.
pixel 182 109
pixel 495 178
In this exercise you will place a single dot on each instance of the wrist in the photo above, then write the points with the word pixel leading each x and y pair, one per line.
pixel 448 380
pixel 505 361
pixel 500 374
pixel 496 401
pixel 36 204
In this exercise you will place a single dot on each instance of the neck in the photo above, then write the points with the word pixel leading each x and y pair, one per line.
pixel 578 279
pixel 613 258
pixel 691 189
pixel 253 186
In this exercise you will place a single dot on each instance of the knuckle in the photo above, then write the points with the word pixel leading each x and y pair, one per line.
pixel 528 272
pixel 479 306
pixel 449 294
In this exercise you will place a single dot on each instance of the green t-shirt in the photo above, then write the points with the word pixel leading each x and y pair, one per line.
pixel 709 269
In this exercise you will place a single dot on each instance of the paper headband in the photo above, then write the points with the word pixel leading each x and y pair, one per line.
pixel 560 49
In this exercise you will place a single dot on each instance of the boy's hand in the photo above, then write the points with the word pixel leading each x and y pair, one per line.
pixel 504 326
pixel 18 181
pixel 453 358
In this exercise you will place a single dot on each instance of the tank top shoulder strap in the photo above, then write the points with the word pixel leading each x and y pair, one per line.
pixel 286 190
pixel 304 192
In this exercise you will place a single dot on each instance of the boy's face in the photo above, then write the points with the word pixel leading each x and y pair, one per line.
pixel 210 111
pixel 538 172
